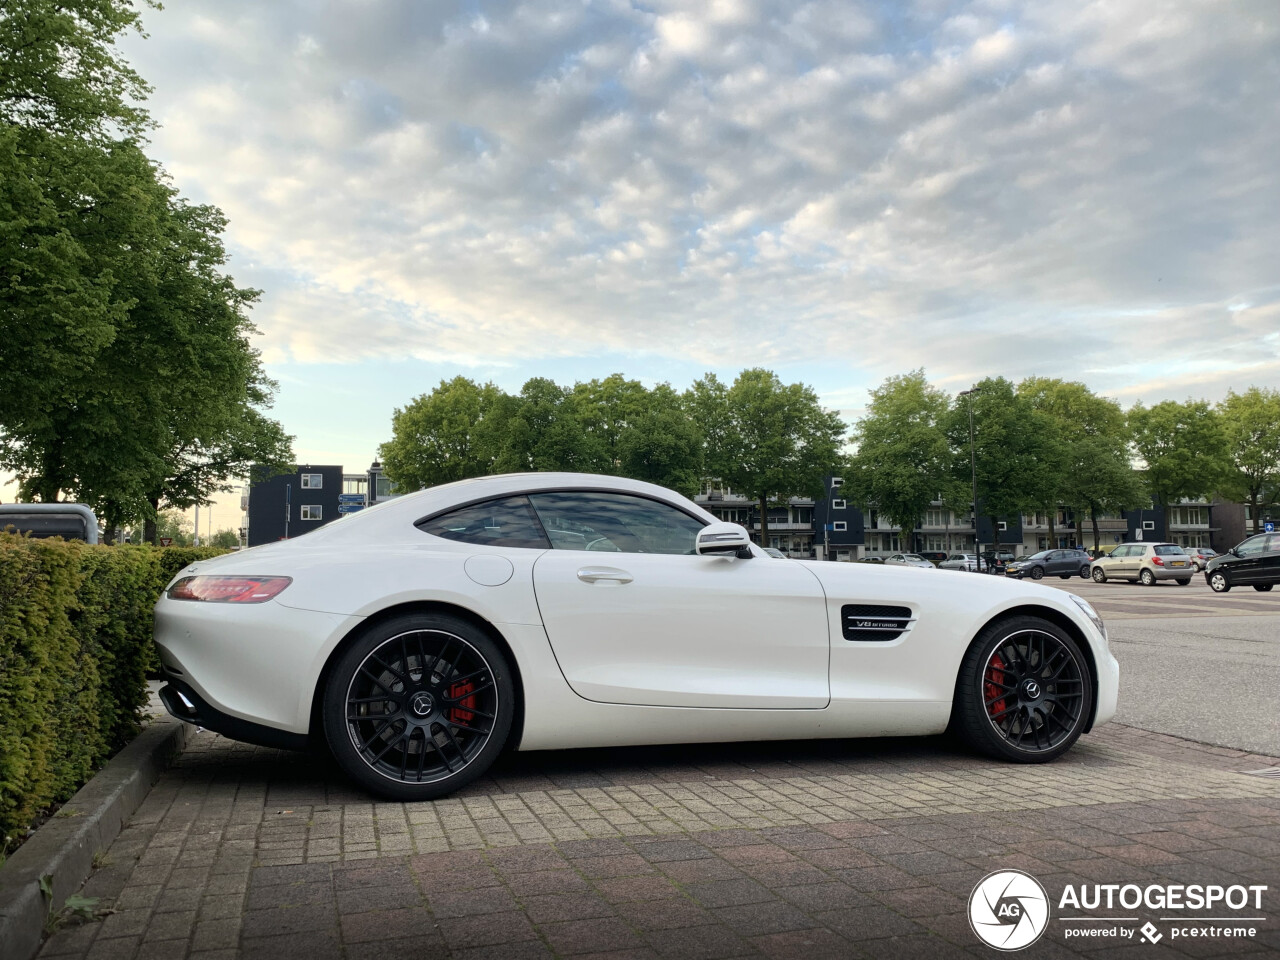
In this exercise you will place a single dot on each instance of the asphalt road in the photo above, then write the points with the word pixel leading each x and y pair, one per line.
pixel 1193 663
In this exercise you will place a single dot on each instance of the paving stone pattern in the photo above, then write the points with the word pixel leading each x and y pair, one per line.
pixel 835 849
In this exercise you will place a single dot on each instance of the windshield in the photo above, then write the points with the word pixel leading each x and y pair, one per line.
pixel 1039 556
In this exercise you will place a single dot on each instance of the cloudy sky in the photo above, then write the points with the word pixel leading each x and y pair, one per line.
pixel 838 190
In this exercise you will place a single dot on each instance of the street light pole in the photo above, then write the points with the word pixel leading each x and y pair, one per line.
pixel 973 471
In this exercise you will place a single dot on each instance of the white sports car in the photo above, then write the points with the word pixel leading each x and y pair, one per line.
pixel 423 636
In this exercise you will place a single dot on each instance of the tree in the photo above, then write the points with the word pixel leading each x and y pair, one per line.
pixel 607 411
pixel 173 525
pixel 769 441
pixel 1017 449
pixel 1251 425
pixel 1095 473
pixel 546 431
pixel 903 459
pixel 127 377
pixel 443 436
pixel 224 540
pixel 663 445
pixel 1183 446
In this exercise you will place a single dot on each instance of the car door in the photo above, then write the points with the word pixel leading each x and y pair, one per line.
pixel 637 617
pixel 1116 564
pixel 1056 564
pixel 1248 563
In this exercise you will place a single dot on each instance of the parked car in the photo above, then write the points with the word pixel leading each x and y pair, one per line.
pixel 995 561
pixel 421 639
pixel 1255 561
pixel 871 559
pixel 934 556
pixel 1054 563
pixel 907 560
pixel 1200 556
pixel 1144 563
pixel 960 561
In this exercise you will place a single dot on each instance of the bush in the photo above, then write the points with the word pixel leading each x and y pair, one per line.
pixel 75 651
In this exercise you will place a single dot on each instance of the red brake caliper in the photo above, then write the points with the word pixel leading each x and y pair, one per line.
pixel 995 675
pixel 465 704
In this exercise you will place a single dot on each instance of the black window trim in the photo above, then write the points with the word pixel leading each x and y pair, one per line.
pixel 528 493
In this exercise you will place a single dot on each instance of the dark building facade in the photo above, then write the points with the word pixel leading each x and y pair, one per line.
pixel 288 505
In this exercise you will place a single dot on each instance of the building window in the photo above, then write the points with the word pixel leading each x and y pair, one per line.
pixel 837 482
pixel 840 526
pixel 312 511
pixel 1148 524
pixel 937 518
pixel 1189 516
pixel 1004 525
pixel 804 514
pixel 354 485
pixel 837 504
pixel 312 481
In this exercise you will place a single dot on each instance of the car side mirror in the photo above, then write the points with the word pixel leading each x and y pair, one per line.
pixel 723 539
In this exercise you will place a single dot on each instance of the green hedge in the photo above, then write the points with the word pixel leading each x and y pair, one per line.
pixel 75 651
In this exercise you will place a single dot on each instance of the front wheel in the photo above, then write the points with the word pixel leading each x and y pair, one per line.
pixel 419 706
pixel 1037 573
pixel 1099 575
pixel 1023 692
pixel 1084 572
pixel 1218 582
pixel 1147 578
pixel 1262 587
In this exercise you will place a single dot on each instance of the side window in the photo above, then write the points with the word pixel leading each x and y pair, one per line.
pixel 509 522
pixel 1122 551
pixel 1273 543
pixel 1252 547
pixel 614 523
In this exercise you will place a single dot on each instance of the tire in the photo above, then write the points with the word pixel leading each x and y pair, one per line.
pixel 995 713
pixel 1182 581
pixel 1064 576
pixel 1262 587
pixel 426 680
pixel 1147 578
pixel 1218 582
pixel 1084 572
pixel 1037 573
pixel 1099 575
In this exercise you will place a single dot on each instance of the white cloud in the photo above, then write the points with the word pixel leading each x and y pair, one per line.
pixel 975 188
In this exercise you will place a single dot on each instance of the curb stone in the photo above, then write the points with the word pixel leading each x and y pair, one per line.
pixel 64 847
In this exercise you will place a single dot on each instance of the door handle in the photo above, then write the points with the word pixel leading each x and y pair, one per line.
pixel 608 574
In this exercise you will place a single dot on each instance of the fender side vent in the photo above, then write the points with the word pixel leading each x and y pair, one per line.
pixel 871 621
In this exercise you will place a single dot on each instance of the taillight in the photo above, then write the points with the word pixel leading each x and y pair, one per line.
pixel 1157 561
pixel 228 589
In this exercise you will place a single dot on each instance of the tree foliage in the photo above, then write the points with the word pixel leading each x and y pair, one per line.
pixel 1251 427
pixel 771 440
pixel 127 375
pixel 1183 447
pixel 903 458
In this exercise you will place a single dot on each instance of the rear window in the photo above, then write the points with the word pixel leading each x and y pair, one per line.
pixel 1167 550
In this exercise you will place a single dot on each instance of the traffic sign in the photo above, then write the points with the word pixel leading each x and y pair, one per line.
pixel 166 541
pixel 351 498
pixel 1269 527
pixel 350 507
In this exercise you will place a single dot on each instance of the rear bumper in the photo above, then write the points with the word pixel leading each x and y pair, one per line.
pixel 183 702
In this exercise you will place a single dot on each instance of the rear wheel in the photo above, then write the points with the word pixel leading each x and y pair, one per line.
pixel 1262 587
pixel 1218 582
pixel 1099 575
pixel 1023 692
pixel 1147 578
pixel 419 706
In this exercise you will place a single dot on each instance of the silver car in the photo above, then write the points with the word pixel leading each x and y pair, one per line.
pixel 960 561
pixel 1145 563
pixel 907 560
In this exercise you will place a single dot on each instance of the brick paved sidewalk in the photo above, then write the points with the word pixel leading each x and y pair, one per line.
pixel 814 849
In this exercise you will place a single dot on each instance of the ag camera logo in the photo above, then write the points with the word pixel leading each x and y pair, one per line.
pixel 1009 910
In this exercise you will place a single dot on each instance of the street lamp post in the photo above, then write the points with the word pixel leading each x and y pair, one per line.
pixel 973 472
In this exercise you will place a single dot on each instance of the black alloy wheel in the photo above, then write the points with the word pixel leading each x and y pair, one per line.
pixel 1262 587
pixel 1037 573
pixel 1218 582
pixel 1024 692
pixel 419 706
pixel 1099 575
pixel 1084 571
pixel 1147 578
